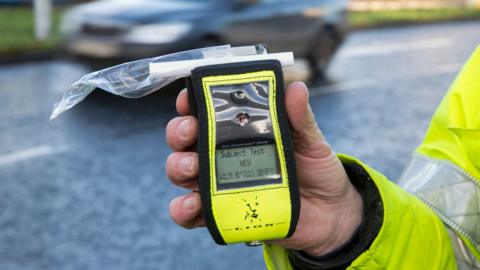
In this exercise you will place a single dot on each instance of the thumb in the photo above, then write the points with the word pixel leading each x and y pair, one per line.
pixel 307 138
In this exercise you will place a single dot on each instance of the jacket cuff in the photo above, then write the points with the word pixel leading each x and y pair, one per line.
pixel 366 233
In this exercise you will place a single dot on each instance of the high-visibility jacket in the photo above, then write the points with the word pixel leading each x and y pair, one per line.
pixel 432 218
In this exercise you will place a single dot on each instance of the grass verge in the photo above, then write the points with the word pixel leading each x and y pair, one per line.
pixel 371 19
pixel 17 31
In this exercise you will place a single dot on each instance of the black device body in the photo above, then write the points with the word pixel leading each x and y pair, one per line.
pixel 230 137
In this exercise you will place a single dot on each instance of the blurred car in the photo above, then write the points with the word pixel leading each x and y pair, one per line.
pixel 132 29
pixel 30 2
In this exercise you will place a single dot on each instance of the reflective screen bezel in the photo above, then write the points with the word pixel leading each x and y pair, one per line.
pixel 215 80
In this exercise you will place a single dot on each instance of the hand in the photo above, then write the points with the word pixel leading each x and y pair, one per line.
pixel 331 208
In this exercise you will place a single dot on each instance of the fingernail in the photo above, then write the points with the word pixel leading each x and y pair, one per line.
pixel 184 128
pixel 300 83
pixel 189 203
pixel 174 201
pixel 185 164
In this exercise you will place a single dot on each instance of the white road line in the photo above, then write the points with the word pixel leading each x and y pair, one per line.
pixel 443 69
pixel 387 48
pixel 29 153
pixel 365 83
pixel 341 87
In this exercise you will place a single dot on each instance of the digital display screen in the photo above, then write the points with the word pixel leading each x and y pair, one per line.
pixel 246 164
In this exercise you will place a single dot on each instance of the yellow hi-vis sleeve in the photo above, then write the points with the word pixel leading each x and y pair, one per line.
pixel 412 236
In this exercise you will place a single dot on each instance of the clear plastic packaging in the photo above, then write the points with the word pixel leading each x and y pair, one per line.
pixel 134 80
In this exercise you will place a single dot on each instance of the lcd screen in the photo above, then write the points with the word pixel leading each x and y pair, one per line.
pixel 246 164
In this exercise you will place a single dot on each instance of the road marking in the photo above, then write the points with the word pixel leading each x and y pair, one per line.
pixel 29 153
pixel 365 83
pixel 443 69
pixel 387 48
pixel 341 87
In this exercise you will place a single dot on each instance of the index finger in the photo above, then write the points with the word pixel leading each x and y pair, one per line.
pixel 182 103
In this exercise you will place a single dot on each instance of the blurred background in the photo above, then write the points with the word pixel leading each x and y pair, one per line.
pixel 90 191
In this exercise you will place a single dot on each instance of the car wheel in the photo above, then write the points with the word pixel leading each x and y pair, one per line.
pixel 322 52
pixel 210 41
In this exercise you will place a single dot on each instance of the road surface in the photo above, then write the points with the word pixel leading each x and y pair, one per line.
pixel 90 192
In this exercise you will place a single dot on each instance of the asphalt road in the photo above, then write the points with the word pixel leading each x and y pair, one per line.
pixel 90 192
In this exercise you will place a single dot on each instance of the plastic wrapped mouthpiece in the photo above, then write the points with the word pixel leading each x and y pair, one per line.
pixel 142 77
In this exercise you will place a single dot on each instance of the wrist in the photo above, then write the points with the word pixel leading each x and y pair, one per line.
pixel 345 217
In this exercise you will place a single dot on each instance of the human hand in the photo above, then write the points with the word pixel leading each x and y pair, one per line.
pixel 331 208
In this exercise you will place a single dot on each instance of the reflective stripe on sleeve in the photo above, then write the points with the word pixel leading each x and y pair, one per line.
pixel 453 194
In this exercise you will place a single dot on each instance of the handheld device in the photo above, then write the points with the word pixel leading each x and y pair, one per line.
pixel 247 179
pixel 247 172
